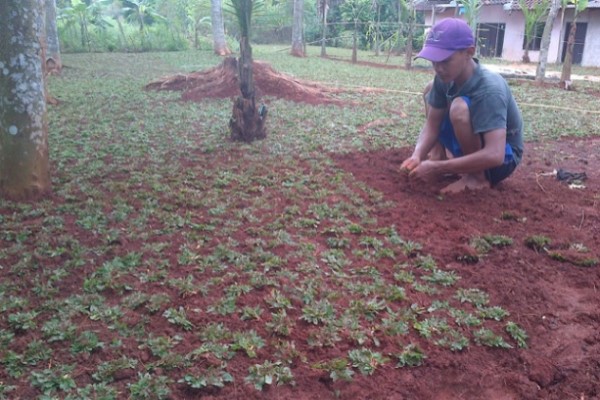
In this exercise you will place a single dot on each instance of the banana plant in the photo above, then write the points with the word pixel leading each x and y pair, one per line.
pixel 532 14
pixel 355 12
pixel 84 14
pixel 142 12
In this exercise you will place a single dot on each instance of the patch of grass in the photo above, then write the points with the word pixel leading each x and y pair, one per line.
pixel 538 242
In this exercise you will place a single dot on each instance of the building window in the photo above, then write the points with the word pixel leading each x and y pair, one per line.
pixel 536 39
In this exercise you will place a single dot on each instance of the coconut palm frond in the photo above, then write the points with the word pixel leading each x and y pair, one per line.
pixel 243 10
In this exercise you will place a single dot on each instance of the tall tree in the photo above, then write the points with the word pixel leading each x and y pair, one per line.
pixel 298 29
pixel 141 12
pixel 532 14
pixel 24 164
pixel 377 7
pixel 53 59
pixel 355 12
pixel 116 11
pixel 218 28
pixel 565 76
pixel 248 121
pixel 84 14
pixel 323 10
pixel 540 73
pixel 411 17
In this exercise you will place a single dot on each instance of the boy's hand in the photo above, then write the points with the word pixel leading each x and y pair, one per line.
pixel 410 164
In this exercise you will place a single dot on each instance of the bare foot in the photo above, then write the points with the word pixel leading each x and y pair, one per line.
pixel 466 182
pixel 438 152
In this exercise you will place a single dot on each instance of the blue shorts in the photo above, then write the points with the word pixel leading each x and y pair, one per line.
pixel 494 175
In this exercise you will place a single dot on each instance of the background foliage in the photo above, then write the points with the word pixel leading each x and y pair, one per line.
pixel 168 25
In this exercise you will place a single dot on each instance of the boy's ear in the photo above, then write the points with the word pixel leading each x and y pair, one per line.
pixel 470 51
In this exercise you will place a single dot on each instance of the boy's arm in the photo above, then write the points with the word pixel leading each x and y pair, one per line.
pixel 427 138
pixel 489 156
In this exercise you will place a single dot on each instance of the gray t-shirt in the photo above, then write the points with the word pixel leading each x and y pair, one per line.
pixel 492 105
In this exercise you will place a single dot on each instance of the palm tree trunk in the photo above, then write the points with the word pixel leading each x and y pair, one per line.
pixel 247 122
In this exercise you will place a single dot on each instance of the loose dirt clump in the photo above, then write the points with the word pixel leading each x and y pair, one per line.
pixel 222 82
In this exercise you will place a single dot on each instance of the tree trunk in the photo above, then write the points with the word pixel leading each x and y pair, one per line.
pixel 540 73
pixel 53 60
pixel 377 30
pixel 218 28
pixel 560 34
pixel 526 59
pixel 400 28
pixel 82 30
pixel 122 32
pixel 324 37
pixel 24 165
pixel 354 42
pixel 247 122
pixel 298 22
pixel 409 39
pixel 565 76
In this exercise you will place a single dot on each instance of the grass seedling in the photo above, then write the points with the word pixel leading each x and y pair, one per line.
pixel 269 373
pixel 454 341
pixel 538 243
pixel 280 324
pixel 517 333
pixel 318 312
pixel 178 317
pixel 366 360
pixel 249 341
pixel 411 356
pixel 474 296
pixel 338 369
pixel 211 377
pixel 87 342
pixel 22 321
pixel 51 380
pixel 150 387
pixel 497 313
pixel 487 337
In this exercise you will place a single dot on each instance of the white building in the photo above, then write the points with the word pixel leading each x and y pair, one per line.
pixel 501 30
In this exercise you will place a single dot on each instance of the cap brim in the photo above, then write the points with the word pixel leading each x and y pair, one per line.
pixel 434 54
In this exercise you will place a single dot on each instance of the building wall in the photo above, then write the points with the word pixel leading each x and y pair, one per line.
pixel 515 32
pixel 591 48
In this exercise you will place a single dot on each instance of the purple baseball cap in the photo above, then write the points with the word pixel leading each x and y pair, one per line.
pixel 446 37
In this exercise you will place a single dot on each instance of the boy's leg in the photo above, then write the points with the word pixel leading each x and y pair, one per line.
pixel 437 152
pixel 460 117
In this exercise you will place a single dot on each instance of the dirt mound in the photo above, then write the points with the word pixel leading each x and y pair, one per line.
pixel 222 82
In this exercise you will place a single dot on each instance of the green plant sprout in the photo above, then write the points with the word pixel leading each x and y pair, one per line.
pixel 211 377
pixel 366 360
pixel 517 333
pixel 411 356
pixel 269 373
pixel 338 369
